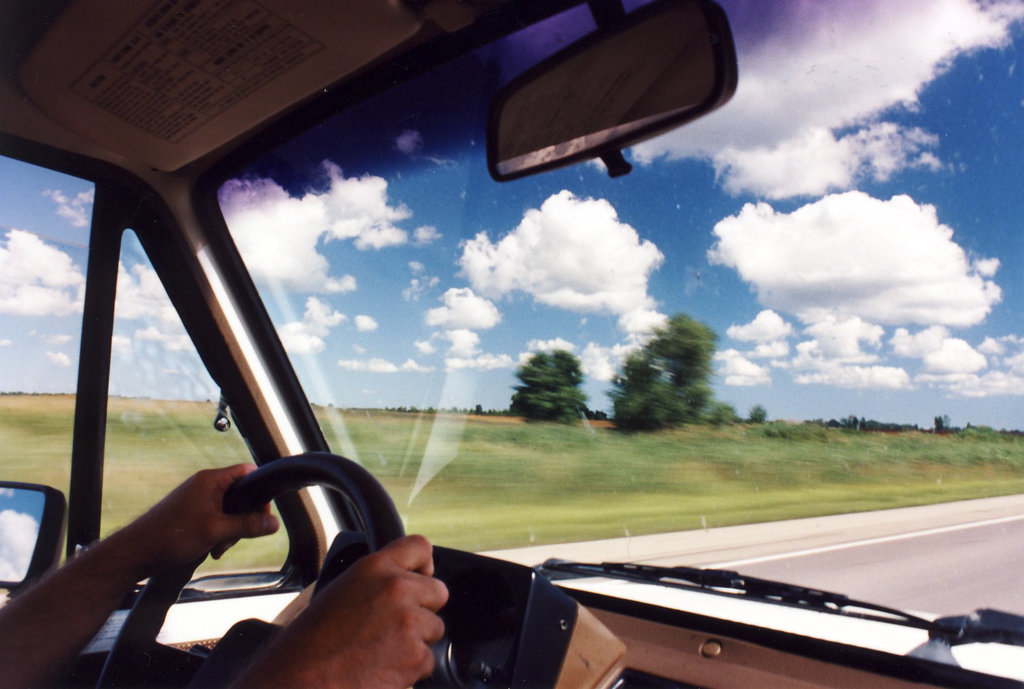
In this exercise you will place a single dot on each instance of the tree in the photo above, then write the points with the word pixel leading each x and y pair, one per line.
pixel 757 414
pixel 666 383
pixel 550 388
pixel 721 414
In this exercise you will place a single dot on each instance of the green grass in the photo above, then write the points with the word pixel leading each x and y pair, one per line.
pixel 505 483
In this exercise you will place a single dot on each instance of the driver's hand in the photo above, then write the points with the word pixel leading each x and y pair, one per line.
pixel 189 523
pixel 370 627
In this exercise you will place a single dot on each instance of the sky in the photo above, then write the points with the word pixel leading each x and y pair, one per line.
pixel 849 225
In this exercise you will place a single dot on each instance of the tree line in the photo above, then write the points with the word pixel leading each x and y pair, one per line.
pixel 664 383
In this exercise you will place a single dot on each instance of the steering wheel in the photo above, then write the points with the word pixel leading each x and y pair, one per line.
pixel 135 645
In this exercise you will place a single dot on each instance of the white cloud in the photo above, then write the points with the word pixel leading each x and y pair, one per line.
pixel 481 362
pixel 170 341
pixel 570 253
pixel 278 235
pixel 378 365
pixel 767 326
pixel 76 210
pixel 603 363
pixel 941 353
pixel 365 324
pixel 424 235
pixel 59 359
pixel 409 141
pixel 851 255
pixel 840 375
pixel 463 309
pixel 419 286
pixel 550 345
pixel 5 342
pixel 463 342
pixel 414 367
pixel 802 121
pixel 37 279
pixel 306 336
pixel 424 346
pixel 18 533
pixel 739 371
pixel 374 365
pixel 840 339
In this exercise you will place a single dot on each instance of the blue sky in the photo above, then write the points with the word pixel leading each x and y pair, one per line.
pixel 849 225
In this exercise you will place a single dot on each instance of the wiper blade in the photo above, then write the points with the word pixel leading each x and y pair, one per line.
pixel 733 583
pixel 981 626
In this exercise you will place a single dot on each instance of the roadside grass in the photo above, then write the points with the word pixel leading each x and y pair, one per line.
pixel 481 483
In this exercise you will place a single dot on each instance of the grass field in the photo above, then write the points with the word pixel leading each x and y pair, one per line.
pixel 499 482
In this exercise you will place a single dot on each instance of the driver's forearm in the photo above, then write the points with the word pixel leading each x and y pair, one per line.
pixel 45 627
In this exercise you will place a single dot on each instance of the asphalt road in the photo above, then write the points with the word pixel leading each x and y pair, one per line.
pixel 941 559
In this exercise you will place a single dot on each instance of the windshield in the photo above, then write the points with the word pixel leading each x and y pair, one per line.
pixel 800 312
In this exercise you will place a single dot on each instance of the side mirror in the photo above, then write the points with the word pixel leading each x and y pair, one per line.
pixel 31 531
pixel 661 66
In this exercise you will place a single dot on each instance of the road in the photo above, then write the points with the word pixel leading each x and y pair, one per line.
pixel 943 559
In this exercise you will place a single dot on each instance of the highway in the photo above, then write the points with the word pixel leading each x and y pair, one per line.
pixel 942 559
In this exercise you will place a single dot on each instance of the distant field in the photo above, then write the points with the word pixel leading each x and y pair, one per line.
pixel 501 482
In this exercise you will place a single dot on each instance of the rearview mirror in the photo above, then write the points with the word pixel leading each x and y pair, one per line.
pixel 662 66
pixel 31 531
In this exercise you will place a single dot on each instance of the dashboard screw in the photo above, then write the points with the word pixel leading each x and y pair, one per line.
pixel 712 648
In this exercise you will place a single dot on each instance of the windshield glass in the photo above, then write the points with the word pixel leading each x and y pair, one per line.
pixel 805 305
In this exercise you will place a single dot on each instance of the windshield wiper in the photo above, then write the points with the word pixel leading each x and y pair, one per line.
pixel 733 583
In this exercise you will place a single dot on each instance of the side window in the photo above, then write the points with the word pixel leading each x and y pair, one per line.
pixel 44 234
pixel 162 410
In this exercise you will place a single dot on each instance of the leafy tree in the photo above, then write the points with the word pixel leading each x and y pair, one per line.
pixel 757 414
pixel 666 383
pixel 721 414
pixel 550 388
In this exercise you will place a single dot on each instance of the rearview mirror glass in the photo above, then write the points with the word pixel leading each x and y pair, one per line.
pixel 31 531
pixel 662 66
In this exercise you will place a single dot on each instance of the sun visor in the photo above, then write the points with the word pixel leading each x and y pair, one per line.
pixel 169 81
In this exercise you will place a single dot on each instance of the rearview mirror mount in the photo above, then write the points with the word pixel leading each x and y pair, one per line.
pixel 663 65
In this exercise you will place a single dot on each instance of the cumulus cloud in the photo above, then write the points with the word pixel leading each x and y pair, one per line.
pixel 551 345
pixel 424 235
pixel 377 365
pixel 37 279
pixel 141 297
pixel 59 359
pixel 573 254
pixel 77 209
pixel 424 346
pixel 278 234
pixel 480 362
pixel 463 309
pixel 365 324
pixel 843 376
pixel 739 371
pixel 801 122
pixel 18 533
pixel 306 336
pixel 940 352
pixel 767 326
pixel 409 141
pixel 850 255
pixel 603 363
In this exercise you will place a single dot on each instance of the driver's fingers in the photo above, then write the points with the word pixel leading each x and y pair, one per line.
pixel 413 553
pixel 434 594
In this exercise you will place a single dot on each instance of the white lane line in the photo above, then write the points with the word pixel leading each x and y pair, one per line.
pixel 864 542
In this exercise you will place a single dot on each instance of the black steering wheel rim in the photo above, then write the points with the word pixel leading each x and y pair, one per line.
pixel 379 521
pixel 372 504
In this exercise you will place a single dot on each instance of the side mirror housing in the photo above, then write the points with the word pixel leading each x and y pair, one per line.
pixel 32 519
pixel 663 65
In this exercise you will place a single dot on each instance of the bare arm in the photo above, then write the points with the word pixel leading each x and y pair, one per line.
pixel 45 627
pixel 371 627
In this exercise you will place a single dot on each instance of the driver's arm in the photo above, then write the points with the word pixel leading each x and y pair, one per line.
pixel 370 628
pixel 45 627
